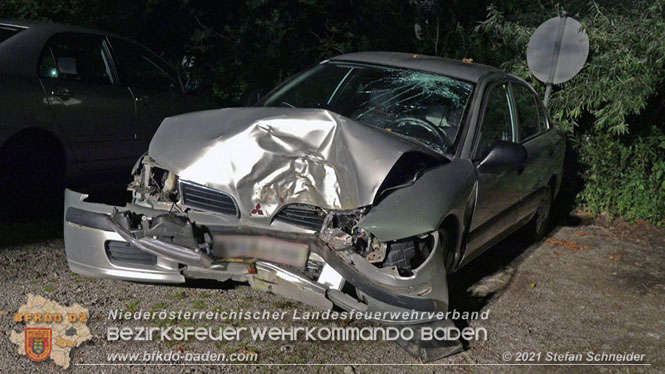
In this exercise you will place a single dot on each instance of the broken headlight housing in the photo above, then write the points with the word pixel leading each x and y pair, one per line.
pixel 340 232
pixel 152 184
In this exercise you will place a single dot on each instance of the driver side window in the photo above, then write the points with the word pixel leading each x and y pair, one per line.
pixel 497 122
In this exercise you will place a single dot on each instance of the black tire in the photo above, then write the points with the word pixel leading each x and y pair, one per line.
pixel 540 223
pixel 33 176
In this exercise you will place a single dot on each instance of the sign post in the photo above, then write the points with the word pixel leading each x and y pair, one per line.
pixel 557 51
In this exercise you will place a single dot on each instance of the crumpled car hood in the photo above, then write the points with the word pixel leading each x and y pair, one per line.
pixel 278 156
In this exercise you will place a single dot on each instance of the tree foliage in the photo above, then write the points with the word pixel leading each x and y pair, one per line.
pixel 255 44
pixel 620 144
pixel 624 67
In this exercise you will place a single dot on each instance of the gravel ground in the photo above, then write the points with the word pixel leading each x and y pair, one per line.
pixel 588 287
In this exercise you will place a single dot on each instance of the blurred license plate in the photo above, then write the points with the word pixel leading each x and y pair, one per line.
pixel 261 248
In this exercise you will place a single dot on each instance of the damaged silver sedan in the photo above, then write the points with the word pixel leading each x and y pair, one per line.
pixel 360 183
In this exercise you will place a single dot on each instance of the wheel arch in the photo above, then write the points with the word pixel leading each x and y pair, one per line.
pixel 36 138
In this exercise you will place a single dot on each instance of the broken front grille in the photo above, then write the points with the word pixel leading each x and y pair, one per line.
pixel 123 254
pixel 307 216
pixel 205 198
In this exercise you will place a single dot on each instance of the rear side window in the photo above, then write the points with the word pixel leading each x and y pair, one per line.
pixel 528 115
pixel 75 56
pixel 140 68
pixel 7 32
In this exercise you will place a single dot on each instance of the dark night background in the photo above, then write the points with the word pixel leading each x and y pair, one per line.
pixel 613 111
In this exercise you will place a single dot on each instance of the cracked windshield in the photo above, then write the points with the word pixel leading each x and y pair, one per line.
pixel 424 107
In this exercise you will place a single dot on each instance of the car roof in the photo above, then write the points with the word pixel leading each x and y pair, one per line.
pixel 17 23
pixel 467 71
pixel 52 28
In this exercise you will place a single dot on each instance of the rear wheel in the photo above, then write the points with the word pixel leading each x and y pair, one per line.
pixel 33 175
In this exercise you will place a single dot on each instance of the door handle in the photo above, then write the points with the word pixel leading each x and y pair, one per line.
pixel 63 93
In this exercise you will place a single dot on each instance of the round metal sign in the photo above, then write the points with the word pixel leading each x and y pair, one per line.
pixel 557 50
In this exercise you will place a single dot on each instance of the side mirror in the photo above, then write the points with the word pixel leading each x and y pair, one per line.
pixel 192 85
pixel 503 156
pixel 251 97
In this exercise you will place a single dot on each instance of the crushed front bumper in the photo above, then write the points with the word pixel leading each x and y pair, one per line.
pixel 88 233
pixel 97 246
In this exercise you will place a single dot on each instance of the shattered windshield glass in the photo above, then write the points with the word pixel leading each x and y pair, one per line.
pixel 427 108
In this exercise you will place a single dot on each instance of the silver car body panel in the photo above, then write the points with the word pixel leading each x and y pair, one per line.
pixel 279 156
pixel 86 252
pixel 443 190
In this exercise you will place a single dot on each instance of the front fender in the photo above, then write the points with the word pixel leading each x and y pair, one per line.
pixel 421 207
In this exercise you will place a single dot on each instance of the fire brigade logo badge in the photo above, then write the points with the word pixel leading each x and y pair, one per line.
pixel 38 343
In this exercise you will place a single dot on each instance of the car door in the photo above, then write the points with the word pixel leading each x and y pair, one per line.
pixel 499 193
pixel 95 112
pixel 157 89
pixel 533 135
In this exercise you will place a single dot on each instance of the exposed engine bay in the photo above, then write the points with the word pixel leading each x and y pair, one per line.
pixel 155 187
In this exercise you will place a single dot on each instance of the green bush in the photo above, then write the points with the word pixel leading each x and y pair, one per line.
pixel 627 177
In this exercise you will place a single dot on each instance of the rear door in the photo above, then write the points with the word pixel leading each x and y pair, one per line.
pixel 94 111
pixel 499 193
pixel 157 89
